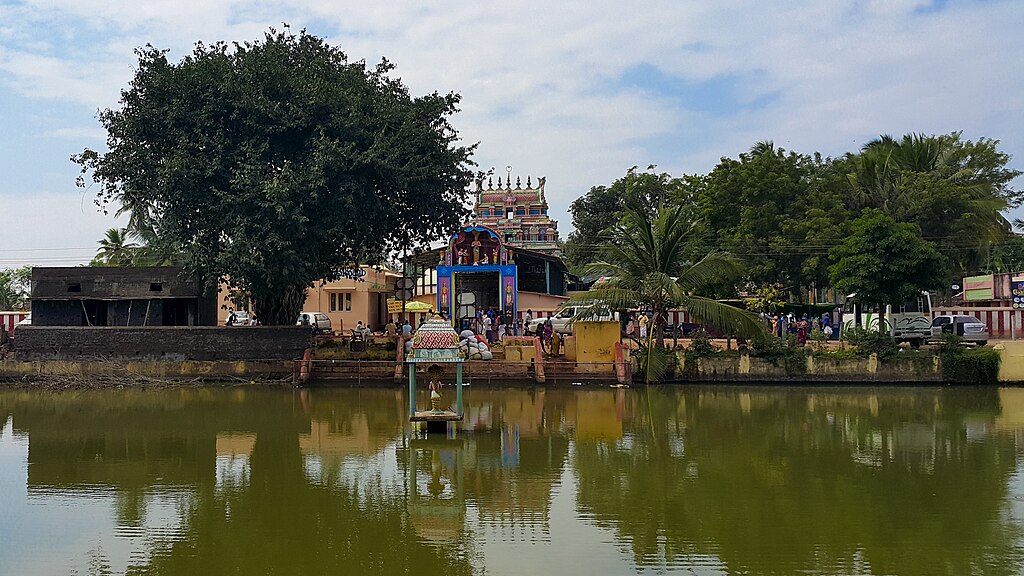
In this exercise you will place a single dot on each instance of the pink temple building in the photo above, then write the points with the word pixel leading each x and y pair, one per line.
pixel 518 214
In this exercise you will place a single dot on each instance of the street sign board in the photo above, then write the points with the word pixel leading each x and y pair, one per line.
pixel 404 294
pixel 1017 289
pixel 405 283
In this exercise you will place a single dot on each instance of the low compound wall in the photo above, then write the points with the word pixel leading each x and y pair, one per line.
pixel 184 343
pixel 811 369
pixel 101 372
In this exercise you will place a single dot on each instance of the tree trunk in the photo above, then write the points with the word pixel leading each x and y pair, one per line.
pixel 280 309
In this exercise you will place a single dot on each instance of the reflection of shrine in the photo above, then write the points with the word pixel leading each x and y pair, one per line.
pixel 435 487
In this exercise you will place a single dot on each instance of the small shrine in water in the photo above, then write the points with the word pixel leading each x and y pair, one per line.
pixel 435 343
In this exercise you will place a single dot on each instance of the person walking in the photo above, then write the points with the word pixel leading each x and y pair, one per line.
pixel 487 329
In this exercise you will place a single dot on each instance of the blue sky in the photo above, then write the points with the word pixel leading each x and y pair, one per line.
pixel 575 91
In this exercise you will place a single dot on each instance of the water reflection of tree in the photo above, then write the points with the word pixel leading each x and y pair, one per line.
pixel 276 520
pixel 769 484
pixel 281 520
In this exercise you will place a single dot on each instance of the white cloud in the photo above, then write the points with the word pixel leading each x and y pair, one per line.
pixel 51 228
pixel 539 80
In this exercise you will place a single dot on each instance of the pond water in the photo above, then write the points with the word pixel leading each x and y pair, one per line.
pixel 688 480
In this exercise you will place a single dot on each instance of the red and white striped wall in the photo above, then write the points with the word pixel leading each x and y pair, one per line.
pixel 998 319
pixel 9 319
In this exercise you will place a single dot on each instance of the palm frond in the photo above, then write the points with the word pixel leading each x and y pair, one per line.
pixel 723 317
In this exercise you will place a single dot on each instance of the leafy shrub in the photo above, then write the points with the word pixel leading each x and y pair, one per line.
pixel 975 366
pixel 653 364
pixel 776 350
pixel 867 342
pixel 950 344
pixel 700 346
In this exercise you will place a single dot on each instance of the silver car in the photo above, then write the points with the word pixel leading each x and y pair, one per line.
pixel 967 327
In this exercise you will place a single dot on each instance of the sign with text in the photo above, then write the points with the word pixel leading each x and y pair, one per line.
pixel 1017 292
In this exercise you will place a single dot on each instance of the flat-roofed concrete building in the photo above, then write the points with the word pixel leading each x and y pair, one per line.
pixel 114 296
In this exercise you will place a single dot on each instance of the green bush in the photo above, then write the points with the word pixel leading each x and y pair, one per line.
pixel 868 342
pixel 950 344
pixel 700 346
pixel 654 364
pixel 975 366
pixel 776 350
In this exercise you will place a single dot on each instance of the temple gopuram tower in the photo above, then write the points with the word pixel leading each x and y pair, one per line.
pixel 519 214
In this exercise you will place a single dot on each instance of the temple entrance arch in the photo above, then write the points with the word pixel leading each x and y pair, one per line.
pixel 475 273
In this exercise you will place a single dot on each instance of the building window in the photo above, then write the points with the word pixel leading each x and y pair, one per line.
pixel 334 302
pixel 348 301
pixel 76 287
pixel 156 287
pixel 510 214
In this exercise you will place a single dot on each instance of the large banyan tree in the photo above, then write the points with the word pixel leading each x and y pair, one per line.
pixel 274 164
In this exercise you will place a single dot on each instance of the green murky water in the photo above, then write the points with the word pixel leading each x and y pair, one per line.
pixel 657 481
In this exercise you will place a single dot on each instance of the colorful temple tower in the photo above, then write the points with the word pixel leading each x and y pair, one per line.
pixel 519 215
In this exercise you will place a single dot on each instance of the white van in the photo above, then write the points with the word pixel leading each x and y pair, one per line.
pixel 319 321
pixel 561 322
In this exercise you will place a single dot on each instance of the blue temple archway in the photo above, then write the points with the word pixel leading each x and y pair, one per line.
pixel 476 263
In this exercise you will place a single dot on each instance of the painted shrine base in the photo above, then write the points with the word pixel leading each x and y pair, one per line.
pixel 431 416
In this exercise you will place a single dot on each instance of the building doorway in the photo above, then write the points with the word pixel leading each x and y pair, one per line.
pixel 475 291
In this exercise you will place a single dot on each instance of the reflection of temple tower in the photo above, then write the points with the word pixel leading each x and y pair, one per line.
pixel 518 213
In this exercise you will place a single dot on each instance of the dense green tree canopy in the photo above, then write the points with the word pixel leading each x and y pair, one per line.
pixel 885 262
pixel 645 264
pixel 955 190
pixel 603 206
pixel 278 163
pixel 777 211
pixel 781 213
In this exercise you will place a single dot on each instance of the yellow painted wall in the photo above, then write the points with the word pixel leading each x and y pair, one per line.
pixel 1011 366
pixel 595 341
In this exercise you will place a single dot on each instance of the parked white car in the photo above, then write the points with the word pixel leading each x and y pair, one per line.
pixel 967 327
pixel 319 321
pixel 561 322
pixel 243 318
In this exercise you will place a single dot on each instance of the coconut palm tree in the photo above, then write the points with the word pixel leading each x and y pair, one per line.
pixel 645 265
pixel 116 249
pixel 937 183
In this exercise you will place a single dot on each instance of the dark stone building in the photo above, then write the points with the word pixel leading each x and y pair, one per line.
pixel 100 296
pixel 140 314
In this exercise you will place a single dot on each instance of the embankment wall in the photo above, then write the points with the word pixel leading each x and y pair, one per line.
pixel 153 343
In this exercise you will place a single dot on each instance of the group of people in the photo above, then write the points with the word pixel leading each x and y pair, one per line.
pixel 495 324
pixel 637 325
pixel 784 325
pixel 391 328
